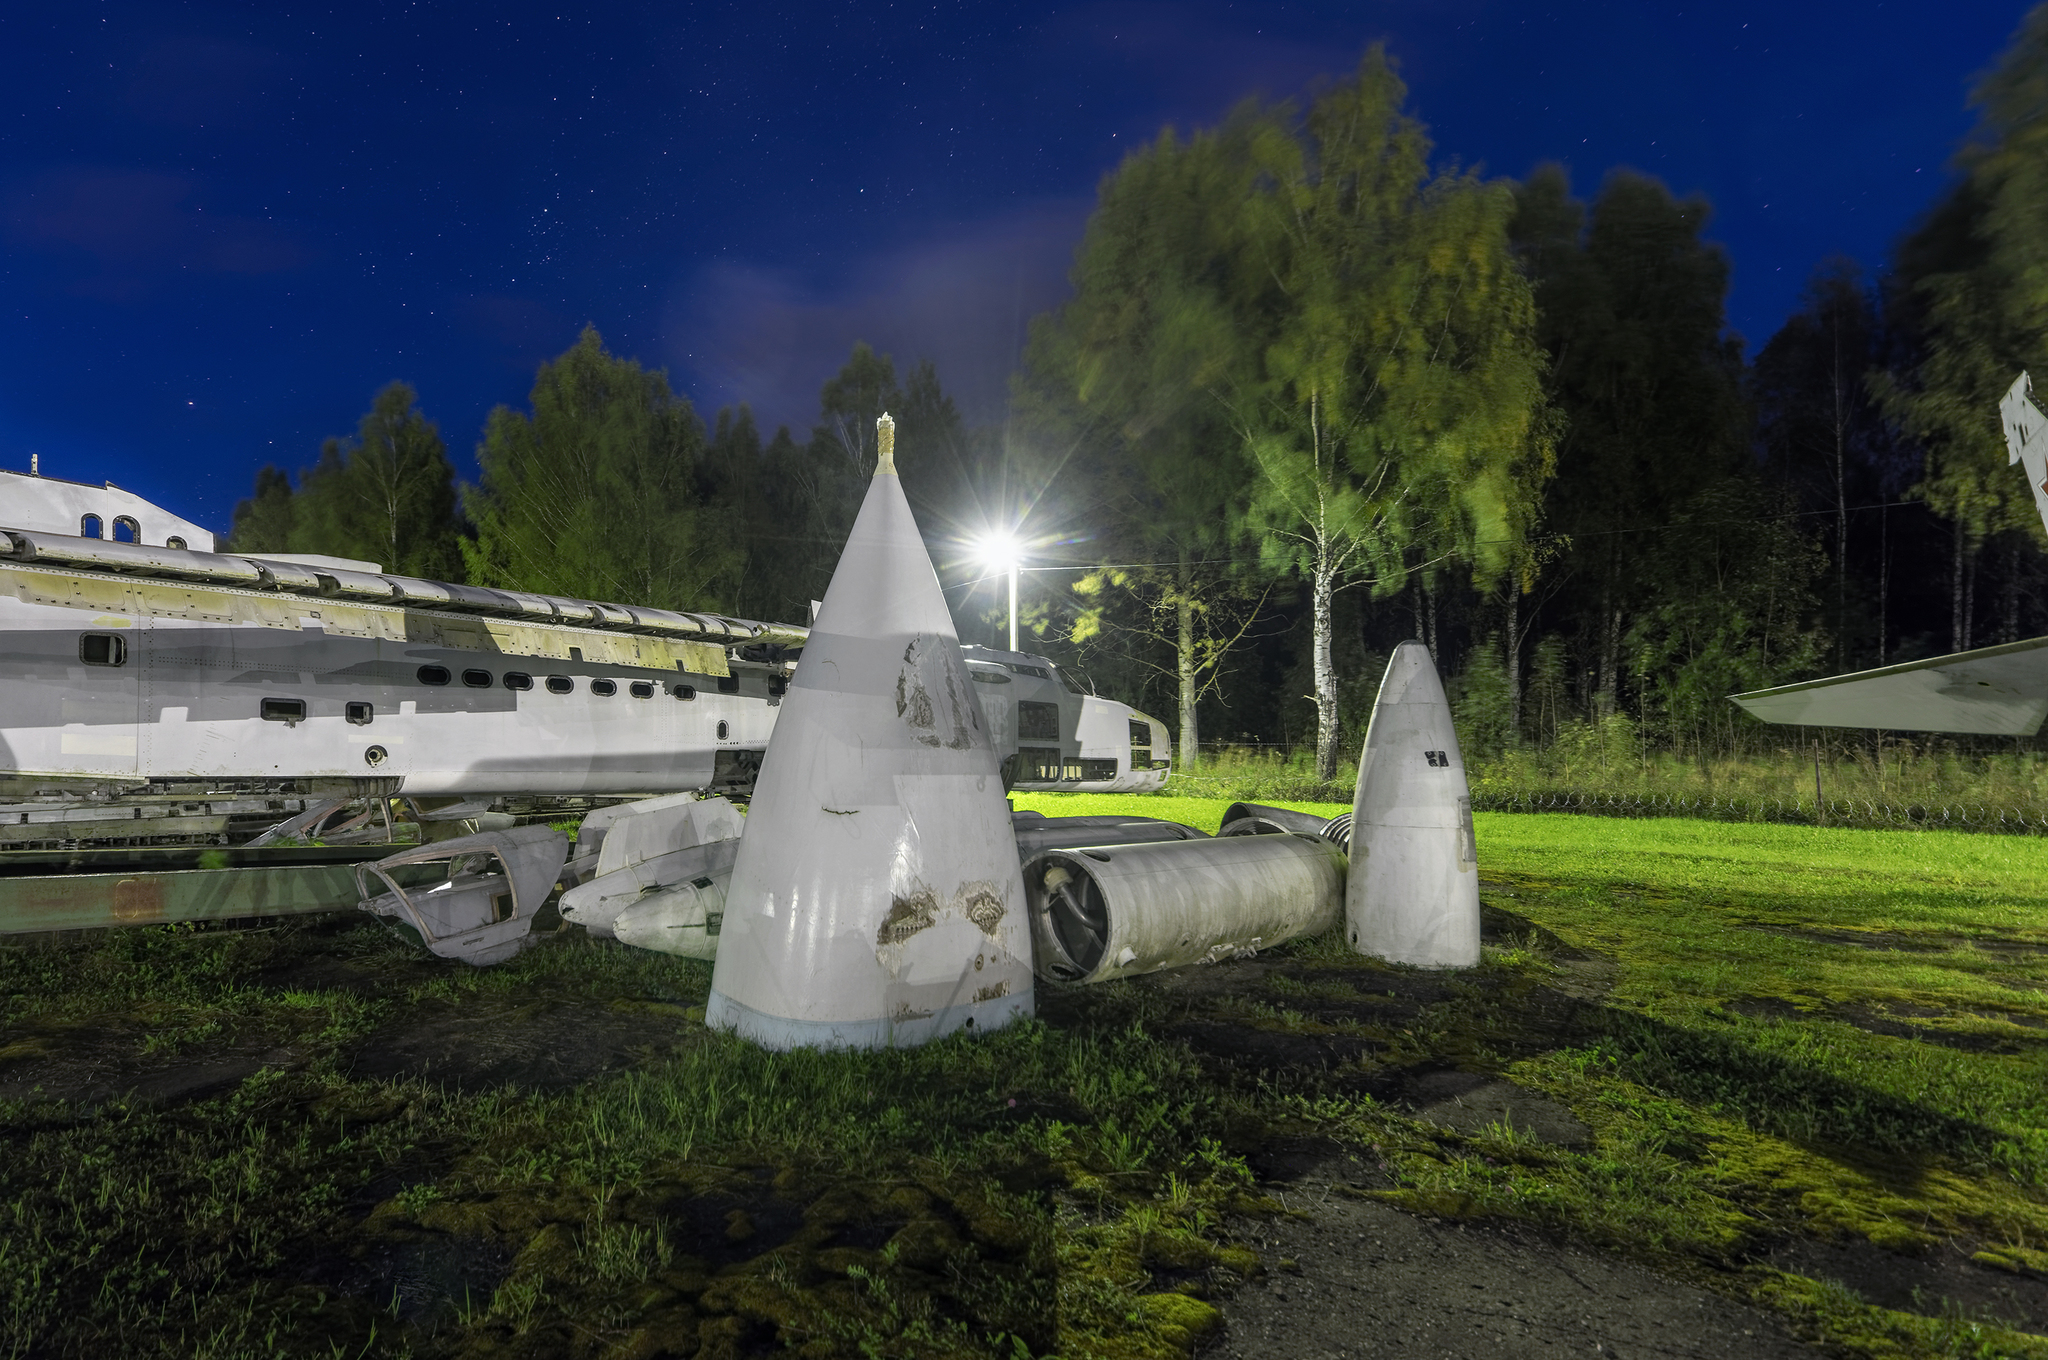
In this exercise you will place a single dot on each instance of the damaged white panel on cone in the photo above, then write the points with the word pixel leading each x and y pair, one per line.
pixel 1413 893
pixel 877 899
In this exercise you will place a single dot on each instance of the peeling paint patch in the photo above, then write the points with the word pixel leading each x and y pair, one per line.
pixel 932 695
pixel 908 914
pixel 982 904
pixel 992 991
pixel 905 1013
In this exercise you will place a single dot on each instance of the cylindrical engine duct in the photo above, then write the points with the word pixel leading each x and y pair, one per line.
pixel 1112 911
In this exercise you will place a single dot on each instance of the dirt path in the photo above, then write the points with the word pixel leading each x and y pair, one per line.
pixel 1368 1280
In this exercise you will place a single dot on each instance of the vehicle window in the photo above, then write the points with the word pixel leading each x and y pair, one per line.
pixel 518 680
pixel 988 677
pixel 643 689
pixel 434 675
pixel 477 679
pixel 686 691
pixel 606 688
pixel 359 713
pixel 1072 682
pixel 560 684
pixel 1041 672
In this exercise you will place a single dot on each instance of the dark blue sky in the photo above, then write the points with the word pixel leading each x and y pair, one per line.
pixel 222 227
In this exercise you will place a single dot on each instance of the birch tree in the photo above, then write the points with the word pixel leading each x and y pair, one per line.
pixel 1396 416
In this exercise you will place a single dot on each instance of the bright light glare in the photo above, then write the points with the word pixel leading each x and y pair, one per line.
pixel 998 552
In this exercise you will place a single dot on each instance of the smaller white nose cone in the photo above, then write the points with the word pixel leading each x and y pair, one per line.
pixel 1413 892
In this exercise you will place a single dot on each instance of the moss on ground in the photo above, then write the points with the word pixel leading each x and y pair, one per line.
pixel 310 1139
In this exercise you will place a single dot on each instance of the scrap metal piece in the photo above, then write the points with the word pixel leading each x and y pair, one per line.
pixel 649 847
pixel 478 914
pixel 686 918
pixel 1263 819
pixel 1413 893
pixel 1114 911
pixel 1036 832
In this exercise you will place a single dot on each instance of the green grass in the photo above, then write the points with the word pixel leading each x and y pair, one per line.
pixel 1773 1033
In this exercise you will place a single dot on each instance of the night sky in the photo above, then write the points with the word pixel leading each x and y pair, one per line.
pixel 223 228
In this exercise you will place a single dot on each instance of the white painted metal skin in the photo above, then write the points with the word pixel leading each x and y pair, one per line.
pixel 2001 691
pixel 57 506
pixel 482 913
pixel 1413 892
pixel 1996 691
pixel 648 848
pixel 1114 911
pixel 877 899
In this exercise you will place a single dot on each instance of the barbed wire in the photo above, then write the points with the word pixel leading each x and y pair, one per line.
pixel 1851 812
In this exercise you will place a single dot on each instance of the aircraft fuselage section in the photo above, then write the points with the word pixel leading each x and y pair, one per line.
pixel 131 679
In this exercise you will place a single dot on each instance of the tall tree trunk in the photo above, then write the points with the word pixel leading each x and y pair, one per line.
pixel 1841 508
pixel 1514 662
pixel 1969 600
pixel 1957 628
pixel 1184 641
pixel 1884 581
pixel 1322 587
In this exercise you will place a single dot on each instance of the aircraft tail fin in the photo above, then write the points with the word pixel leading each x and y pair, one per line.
pixel 2026 438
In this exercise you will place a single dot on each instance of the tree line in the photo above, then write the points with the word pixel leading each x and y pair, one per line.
pixel 1317 390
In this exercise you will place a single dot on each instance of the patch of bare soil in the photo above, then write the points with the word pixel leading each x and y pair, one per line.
pixel 541 1048
pixel 1922 1282
pixel 91 1068
pixel 1358 1279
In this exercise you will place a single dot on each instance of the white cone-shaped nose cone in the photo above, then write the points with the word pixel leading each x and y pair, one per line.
pixel 1413 892
pixel 877 899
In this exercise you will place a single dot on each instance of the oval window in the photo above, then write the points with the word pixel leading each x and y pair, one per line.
pixel 686 691
pixel 607 688
pixel 723 729
pixel 518 680
pixel 560 684
pixel 434 675
pixel 477 679
pixel 643 689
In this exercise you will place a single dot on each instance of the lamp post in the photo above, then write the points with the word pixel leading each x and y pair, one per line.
pixel 999 552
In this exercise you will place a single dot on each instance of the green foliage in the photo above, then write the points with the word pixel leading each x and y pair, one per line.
pixel 387 496
pixel 1629 300
pixel 1732 613
pixel 595 493
pixel 1976 279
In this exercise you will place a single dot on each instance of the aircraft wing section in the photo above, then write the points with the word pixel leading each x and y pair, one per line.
pixel 1996 691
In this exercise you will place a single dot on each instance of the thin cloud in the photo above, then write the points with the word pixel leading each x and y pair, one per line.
pixel 749 333
pixel 140 227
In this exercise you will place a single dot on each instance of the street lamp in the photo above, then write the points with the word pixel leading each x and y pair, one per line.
pixel 1002 552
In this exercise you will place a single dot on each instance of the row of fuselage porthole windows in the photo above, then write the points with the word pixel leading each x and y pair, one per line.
pixel 110 649
pixel 562 684
pixel 126 530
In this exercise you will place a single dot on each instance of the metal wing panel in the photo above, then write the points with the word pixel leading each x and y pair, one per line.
pixel 1994 691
